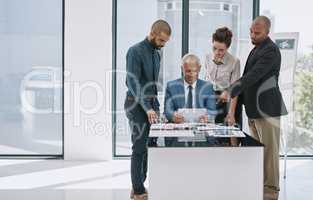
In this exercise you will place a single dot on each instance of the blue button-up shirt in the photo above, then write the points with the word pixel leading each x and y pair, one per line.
pixel 143 66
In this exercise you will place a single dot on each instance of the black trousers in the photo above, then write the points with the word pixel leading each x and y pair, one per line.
pixel 222 109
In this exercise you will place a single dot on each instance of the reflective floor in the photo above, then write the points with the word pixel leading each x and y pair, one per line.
pixel 68 180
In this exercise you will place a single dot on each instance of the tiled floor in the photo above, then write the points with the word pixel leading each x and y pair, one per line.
pixel 68 180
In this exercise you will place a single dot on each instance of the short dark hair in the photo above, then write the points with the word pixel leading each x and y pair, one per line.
pixel 223 35
pixel 265 20
pixel 161 26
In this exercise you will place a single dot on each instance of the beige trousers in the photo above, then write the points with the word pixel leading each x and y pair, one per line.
pixel 267 131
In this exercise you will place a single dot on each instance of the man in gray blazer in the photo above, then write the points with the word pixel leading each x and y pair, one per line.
pixel 141 103
pixel 189 92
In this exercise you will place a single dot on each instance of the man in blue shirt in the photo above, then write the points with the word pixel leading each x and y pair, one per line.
pixel 189 92
pixel 141 103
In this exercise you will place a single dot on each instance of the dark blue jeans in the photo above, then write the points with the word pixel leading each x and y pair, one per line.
pixel 138 169
pixel 140 127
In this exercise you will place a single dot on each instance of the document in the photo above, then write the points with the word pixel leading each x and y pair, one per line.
pixel 171 130
pixel 226 133
pixel 193 130
pixel 171 133
pixel 192 115
pixel 208 127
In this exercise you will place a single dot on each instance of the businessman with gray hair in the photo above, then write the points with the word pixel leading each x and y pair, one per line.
pixel 189 92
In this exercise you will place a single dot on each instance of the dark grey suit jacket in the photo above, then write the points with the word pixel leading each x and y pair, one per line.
pixel 258 88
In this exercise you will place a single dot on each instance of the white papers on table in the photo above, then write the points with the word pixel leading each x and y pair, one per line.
pixel 215 130
pixel 208 127
pixel 173 130
pixel 168 126
pixel 192 129
pixel 226 133
pixel 171 133
pixel 172 126
pixel 193 114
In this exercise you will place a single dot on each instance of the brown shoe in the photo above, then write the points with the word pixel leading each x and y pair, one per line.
pixel 132 194
pixel 271 195
pixel 143 196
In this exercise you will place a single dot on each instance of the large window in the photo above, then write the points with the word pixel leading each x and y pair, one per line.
pixel 31 77
pixel 134 19
pixel 291 32
pixel 208 15
pixel 196 18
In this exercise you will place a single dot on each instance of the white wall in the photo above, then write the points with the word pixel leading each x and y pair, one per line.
pixel 87 88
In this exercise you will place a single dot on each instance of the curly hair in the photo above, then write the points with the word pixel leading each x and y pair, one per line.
pixel 223 35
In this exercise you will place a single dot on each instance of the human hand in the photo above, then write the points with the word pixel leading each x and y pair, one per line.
pixel 204 119
pixel 152 116
pixel 224 97
pixel 178 118
pixel 230 119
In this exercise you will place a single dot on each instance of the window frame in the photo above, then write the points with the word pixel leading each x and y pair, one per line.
pixel 184 50
pixel 50 156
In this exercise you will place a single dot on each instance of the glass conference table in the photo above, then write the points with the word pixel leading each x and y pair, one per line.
pixel 193 161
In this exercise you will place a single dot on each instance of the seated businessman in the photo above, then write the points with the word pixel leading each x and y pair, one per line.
pixel 189 92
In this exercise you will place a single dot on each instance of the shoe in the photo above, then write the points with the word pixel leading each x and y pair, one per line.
pixel 143 196
pixel 269 196
pixel 132 193
pixel 271 193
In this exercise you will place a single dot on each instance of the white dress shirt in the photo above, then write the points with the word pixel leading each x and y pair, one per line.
pixel 223 75
pixel 186 85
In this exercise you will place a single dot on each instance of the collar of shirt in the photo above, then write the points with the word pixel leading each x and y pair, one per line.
pixel 187 85
pixel 149 44
pixel 224 59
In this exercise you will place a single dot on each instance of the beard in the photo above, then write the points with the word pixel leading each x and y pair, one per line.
pixel 253 42
pixel 155 45
pixel 259 41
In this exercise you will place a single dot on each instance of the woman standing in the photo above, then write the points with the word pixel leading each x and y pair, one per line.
pixel 223 69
